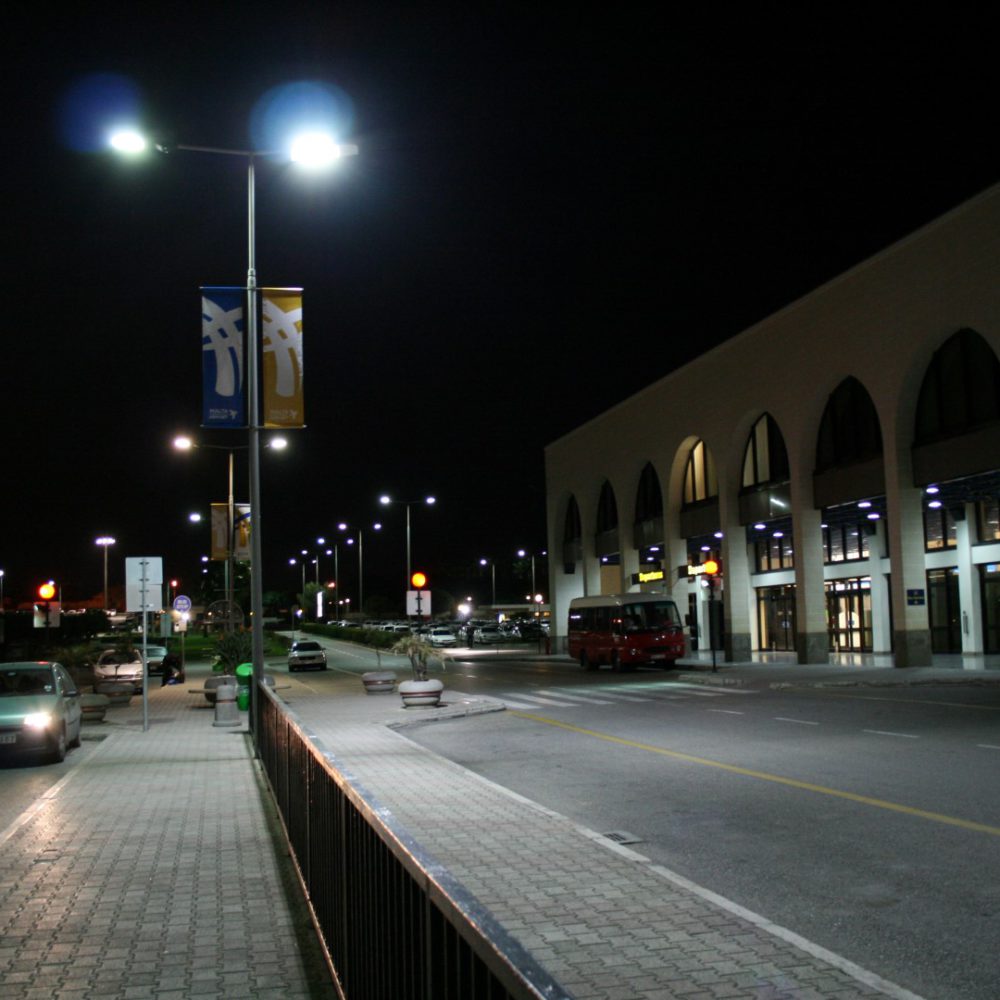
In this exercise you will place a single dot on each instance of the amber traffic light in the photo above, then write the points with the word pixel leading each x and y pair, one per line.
pixel 46 591
pixel 418 580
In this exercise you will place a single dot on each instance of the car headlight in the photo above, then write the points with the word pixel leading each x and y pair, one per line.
pixel 38 720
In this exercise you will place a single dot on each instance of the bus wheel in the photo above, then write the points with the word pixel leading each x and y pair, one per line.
pixel 586 662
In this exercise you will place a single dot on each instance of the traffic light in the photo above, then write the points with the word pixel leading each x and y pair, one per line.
pixel 710 567
pixel 419 581
pixel 46 591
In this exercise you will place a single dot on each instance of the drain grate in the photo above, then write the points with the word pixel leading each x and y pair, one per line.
pixel 622 837
pixel 47 857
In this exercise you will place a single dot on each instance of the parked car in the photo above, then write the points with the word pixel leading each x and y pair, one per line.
pixel 154 658
pixel 306 654
pixel 40 710
pixel 488 635
pixel 124 665
pixel 440 635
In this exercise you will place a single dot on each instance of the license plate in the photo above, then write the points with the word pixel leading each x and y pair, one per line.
pixel 8 737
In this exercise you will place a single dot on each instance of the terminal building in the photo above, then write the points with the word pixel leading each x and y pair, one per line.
pixel 845 475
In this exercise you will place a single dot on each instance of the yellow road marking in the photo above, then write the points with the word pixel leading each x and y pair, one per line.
pixel 778 779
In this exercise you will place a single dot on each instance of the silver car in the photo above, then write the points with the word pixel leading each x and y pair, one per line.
pixel 124 666
pixel 40 710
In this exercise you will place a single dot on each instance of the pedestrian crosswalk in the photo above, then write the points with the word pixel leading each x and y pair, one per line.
pixel 612 694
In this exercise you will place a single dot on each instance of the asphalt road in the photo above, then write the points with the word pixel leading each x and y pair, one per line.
pixel 868 823
pixel 866 820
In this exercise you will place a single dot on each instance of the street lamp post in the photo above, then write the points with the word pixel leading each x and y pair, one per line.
pixel 386 501
pixel 104 541
pixel 310 150
pixel 493 573
pixel 343 526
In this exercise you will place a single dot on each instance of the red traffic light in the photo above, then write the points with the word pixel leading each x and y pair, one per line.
pixel 419 580
pixel 46 591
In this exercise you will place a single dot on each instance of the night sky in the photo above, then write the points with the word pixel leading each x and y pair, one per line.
pixel 550 210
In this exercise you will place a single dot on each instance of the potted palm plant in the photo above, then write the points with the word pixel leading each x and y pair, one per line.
pixel 422 690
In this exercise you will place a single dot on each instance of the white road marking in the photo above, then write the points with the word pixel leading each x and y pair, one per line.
pixel 539 701
pixel 987 746
pixel 575 697
pixel 882 732
pixel 725 711
pixel 798 722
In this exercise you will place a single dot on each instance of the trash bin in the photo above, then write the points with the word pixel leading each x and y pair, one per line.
pixel 244 678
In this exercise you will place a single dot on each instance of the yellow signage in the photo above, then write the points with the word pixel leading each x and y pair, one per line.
pixel 653 574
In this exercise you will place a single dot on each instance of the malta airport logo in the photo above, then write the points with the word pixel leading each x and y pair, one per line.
pixel 222 335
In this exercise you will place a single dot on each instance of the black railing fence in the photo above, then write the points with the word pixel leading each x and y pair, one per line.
pixel 394 924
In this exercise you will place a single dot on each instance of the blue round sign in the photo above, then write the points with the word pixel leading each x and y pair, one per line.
pixel 182 603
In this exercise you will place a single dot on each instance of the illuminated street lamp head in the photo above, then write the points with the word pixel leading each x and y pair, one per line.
pixel 183 443
pixel 127 140
pixel 104 540
pixel 315 150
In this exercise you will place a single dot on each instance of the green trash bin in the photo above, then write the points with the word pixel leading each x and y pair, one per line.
pixel 244 678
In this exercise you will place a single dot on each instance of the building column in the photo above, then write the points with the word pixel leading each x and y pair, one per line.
pixel 812 641
pixel 736 580
pixel 911 634
pixel 969 592
pixel 880 597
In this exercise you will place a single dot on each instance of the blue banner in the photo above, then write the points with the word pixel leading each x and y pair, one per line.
pixel 222 357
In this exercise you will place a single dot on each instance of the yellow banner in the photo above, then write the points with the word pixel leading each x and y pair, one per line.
pixel 281 339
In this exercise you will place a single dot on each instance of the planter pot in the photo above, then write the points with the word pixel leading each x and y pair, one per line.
pixel 116 693
pixel 379 681
pixel 94 707
pixel 213 682
pixel 421 693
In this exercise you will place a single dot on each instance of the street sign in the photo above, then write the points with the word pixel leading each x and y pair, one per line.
pixel 182 603
pixel 418 602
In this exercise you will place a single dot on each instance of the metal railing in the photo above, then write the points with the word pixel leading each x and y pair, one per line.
pixel 393 923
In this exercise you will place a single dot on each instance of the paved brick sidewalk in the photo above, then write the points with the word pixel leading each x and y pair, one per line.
pixel 602 920
pixel 155 869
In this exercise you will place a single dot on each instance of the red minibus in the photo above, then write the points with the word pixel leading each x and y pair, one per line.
pixel 624 630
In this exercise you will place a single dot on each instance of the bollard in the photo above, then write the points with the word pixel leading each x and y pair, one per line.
pixel 226 712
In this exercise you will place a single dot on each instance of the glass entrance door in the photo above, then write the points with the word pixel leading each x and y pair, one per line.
pixel 944 610
pixel 849 614
pixel 990 575
pixel 776 617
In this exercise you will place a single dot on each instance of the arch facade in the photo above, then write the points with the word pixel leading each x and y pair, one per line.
pixel 854 503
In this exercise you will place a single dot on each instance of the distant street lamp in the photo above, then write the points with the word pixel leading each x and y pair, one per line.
pixel 343 526
pixel 493 573
pixel 386 500
pixel 311 152
pixel 185 443
pixel 105 541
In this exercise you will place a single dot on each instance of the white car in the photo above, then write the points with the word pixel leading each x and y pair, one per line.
pixel 488 635
pixel 123 665
pixel 441 636
pixel 306 654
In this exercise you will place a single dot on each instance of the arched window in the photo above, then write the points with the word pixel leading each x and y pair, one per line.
pixel 765 460
pixel 700 482
pixel 607 509
pixel 648 498
pixel 572 537
pixel 849 431
pixel 961 389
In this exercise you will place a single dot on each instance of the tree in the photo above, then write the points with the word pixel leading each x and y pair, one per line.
pixel 232 649
pixel 419 653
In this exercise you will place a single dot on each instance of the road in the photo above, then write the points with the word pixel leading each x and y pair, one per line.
pixel 867 821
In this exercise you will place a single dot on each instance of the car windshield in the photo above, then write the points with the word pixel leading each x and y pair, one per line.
pixel 307 647
pixel 116 657
pixel 19 682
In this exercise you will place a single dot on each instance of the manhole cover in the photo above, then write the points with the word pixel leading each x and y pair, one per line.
pixel 622 837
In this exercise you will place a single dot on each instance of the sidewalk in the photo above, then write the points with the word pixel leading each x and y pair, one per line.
pixel 155 868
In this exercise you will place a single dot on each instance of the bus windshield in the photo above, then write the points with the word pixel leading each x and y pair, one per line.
pixel 649 615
